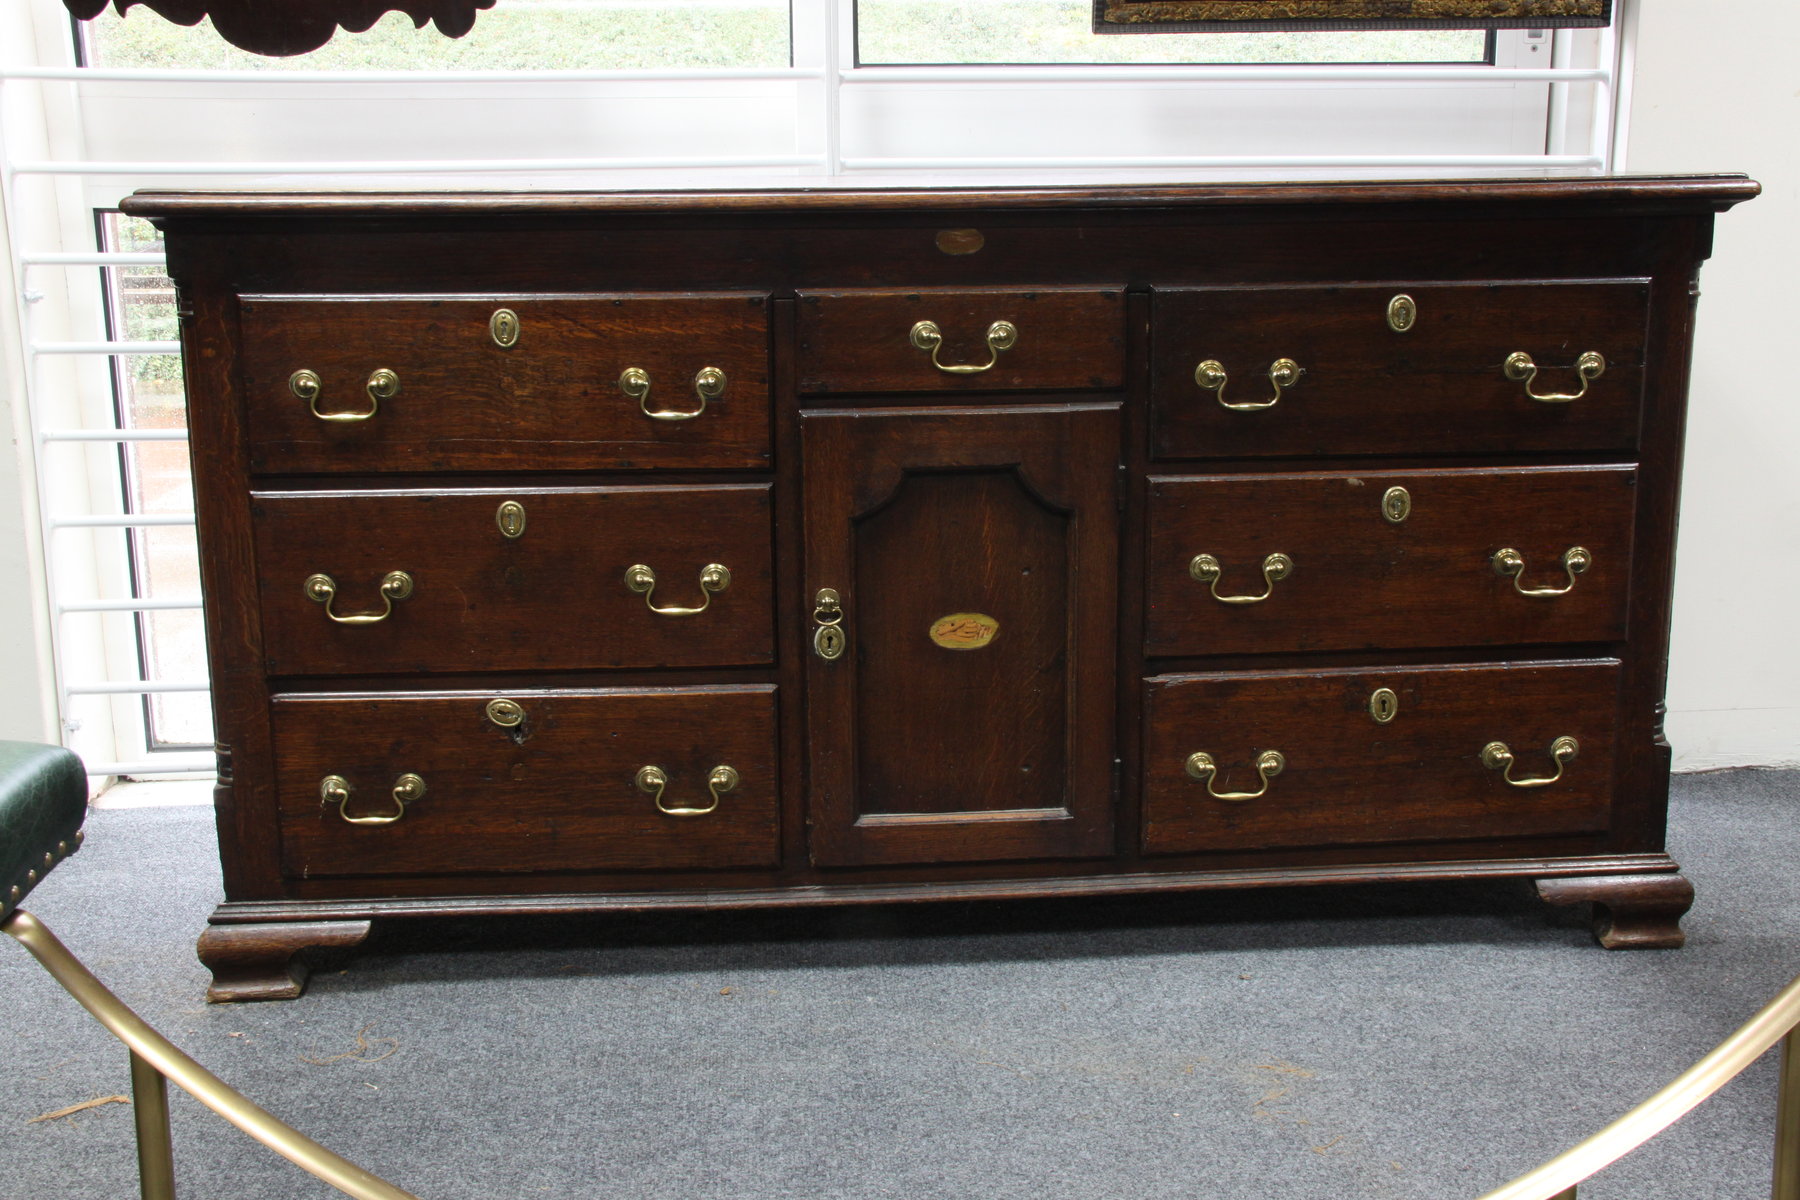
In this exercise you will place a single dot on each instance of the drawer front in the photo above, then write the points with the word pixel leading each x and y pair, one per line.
pixel 471 389
pixel 1354 384
pixel 1345 778
pixel 561 594
pixel 1390 560
pixel 527 781
pixel 956 341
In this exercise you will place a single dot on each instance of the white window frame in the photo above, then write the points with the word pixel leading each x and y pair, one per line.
pixel 73 140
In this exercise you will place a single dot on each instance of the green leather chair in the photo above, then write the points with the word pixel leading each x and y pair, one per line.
pixel 43 800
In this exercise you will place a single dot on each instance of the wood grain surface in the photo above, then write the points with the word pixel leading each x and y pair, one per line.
pixel 553 598
pixel 1360 581
pixel 555 792
pixel 1364 388
pixel 1349 778
pixel 550 400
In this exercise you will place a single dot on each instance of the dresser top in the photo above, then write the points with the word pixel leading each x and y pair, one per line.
pixel 1644 193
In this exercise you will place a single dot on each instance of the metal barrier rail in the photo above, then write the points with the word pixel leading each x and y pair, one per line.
pixel 154 1060
pixel 1774 1022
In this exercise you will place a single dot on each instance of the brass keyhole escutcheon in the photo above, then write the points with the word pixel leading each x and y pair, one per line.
pixel 511 518
pixel 829 638
pixel 1384 706
pixel 1396 505
pixel 1402 312
pixel 829 642
pixel 503 327
pixel 507 714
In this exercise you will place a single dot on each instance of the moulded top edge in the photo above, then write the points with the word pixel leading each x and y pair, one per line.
pixel 1682 192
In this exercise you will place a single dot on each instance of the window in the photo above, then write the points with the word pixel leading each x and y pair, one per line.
pixel 610 94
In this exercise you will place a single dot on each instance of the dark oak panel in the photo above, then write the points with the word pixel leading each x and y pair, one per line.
pixel 969 717
pixel 1437 386
pixel 555 597
pixel 854 342
pixel 550 399
pixel 1350 779
pixel 555 792
pixel 1359 580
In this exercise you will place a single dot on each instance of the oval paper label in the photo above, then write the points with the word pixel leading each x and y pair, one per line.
pixel 964 631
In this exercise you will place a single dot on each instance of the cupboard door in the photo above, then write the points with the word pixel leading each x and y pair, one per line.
pixel 968 712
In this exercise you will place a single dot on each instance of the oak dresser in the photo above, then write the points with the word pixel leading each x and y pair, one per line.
pixel 592 553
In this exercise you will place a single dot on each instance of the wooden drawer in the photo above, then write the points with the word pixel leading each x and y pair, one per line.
pixel 550 785
pixel 555 597
pixel 554 398
pixel 1347 779
pixel 1361 387
pixel 1356 578
pixel 871 341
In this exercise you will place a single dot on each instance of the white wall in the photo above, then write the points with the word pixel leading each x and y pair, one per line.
pixel 1717 88
pixel 27 705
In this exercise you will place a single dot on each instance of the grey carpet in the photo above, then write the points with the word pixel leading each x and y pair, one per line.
pixel 1302 1045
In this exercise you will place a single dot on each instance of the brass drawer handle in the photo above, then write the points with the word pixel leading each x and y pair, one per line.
pixel 335 789
pixel 1283 373
pixel 1001 335
pixel 1496 757
pixel 720 780
pixel 1206 569
pixel 395 585
pixel 1200 765
pixel 383 385
pixel 709 384
pixel 1509 562
pixel 1520 369
pixel 714 578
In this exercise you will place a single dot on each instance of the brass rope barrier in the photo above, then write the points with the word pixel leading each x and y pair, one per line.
pixel 154 1058
pixel 1774 1022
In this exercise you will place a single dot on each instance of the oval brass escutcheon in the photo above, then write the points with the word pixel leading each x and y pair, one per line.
pixel 503 327
pixel 510 516
pixel 1396 504
pixel 1402 311
pixel 507 714
pixel 1384 706
pixel 964 630
pixel 960 241
pixel 828 642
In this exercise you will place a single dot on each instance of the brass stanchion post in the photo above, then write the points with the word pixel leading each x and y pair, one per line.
pixel 155 1149
pixel 1787 1123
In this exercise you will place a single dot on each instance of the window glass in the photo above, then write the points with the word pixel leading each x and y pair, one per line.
pixel 517 35
pixel 164 559
pixel 923 32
